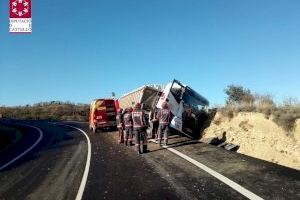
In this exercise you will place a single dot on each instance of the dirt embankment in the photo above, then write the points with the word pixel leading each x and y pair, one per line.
pixel 259 137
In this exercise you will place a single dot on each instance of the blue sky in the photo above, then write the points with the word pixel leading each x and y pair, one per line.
pixel 81 50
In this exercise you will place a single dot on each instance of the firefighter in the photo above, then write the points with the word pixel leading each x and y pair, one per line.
pixel 119 119
pixel 128 127
pixel 153 123
pixel 139 128
pixel 163 116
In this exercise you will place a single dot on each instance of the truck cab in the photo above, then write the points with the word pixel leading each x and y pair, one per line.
pixel 189 108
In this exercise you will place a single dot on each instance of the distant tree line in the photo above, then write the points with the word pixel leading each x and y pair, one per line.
pixel 53 110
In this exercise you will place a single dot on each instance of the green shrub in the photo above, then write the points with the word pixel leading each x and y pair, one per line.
pixel 237 94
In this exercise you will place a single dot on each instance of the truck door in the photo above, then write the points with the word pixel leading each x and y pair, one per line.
pixel 174 97
pixel 177 90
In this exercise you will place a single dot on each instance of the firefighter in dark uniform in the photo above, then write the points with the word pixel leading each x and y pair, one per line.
pixel 164 117
pixel 153 123
pixel 119 119
pixel 128 127
pixel 139 128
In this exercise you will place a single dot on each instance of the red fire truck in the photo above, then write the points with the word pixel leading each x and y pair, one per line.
pixel 103 114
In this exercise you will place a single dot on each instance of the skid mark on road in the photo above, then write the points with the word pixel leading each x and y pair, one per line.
pixel 30 148
pixel 217 175
pixel 87 165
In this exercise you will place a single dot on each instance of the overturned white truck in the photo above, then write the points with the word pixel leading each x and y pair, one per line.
pixel 189 109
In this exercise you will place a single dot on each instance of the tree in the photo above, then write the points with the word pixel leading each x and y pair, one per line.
pixel 238 94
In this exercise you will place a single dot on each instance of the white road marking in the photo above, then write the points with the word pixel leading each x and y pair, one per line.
pixel 31 147
pixel 87 165
pixel 219 176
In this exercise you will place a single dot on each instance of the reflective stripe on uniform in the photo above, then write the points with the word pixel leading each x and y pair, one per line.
pixel 138 119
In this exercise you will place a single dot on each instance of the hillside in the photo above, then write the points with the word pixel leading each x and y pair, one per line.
pixel 54 110
pixel 259 136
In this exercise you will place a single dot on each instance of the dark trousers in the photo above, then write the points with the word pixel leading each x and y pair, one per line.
pixel 128 135
pixel 140 139
pixel 163 132
pixel 154 128
pixel 121 136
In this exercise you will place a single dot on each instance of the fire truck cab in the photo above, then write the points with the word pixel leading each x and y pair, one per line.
pixel 103 114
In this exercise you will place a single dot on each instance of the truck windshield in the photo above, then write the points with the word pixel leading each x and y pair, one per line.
pixel 193 99
pixel 109 103
pixel 177 89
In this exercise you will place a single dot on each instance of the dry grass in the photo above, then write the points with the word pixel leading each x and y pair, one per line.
pixel 285 116
pixel 227 111
pixel 54 110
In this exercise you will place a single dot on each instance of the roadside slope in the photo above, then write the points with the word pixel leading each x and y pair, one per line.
pixel 259 137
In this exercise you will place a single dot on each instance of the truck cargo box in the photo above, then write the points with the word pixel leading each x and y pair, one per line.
pixel 146 95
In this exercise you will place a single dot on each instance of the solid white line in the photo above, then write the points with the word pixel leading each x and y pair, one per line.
pixel 219 176
pixel 87 165
pixel 31 147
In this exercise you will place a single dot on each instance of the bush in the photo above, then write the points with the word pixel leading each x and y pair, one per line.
pixel 238 95
pixel 286 116
pixel 241 100
pixel 54 110
pixel 245 108
pixel 227 111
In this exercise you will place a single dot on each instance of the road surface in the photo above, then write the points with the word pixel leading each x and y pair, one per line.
pixel 56 166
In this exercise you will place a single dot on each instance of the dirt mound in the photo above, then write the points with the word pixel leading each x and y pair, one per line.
pixel 259 137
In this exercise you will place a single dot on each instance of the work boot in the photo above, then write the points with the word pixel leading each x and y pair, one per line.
pixel 166 142
pixel 145 149
pixel 138 150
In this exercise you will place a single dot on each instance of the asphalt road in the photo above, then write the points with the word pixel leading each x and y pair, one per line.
pixel 54 169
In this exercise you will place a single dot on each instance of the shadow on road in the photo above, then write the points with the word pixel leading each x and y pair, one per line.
pixel 54 137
